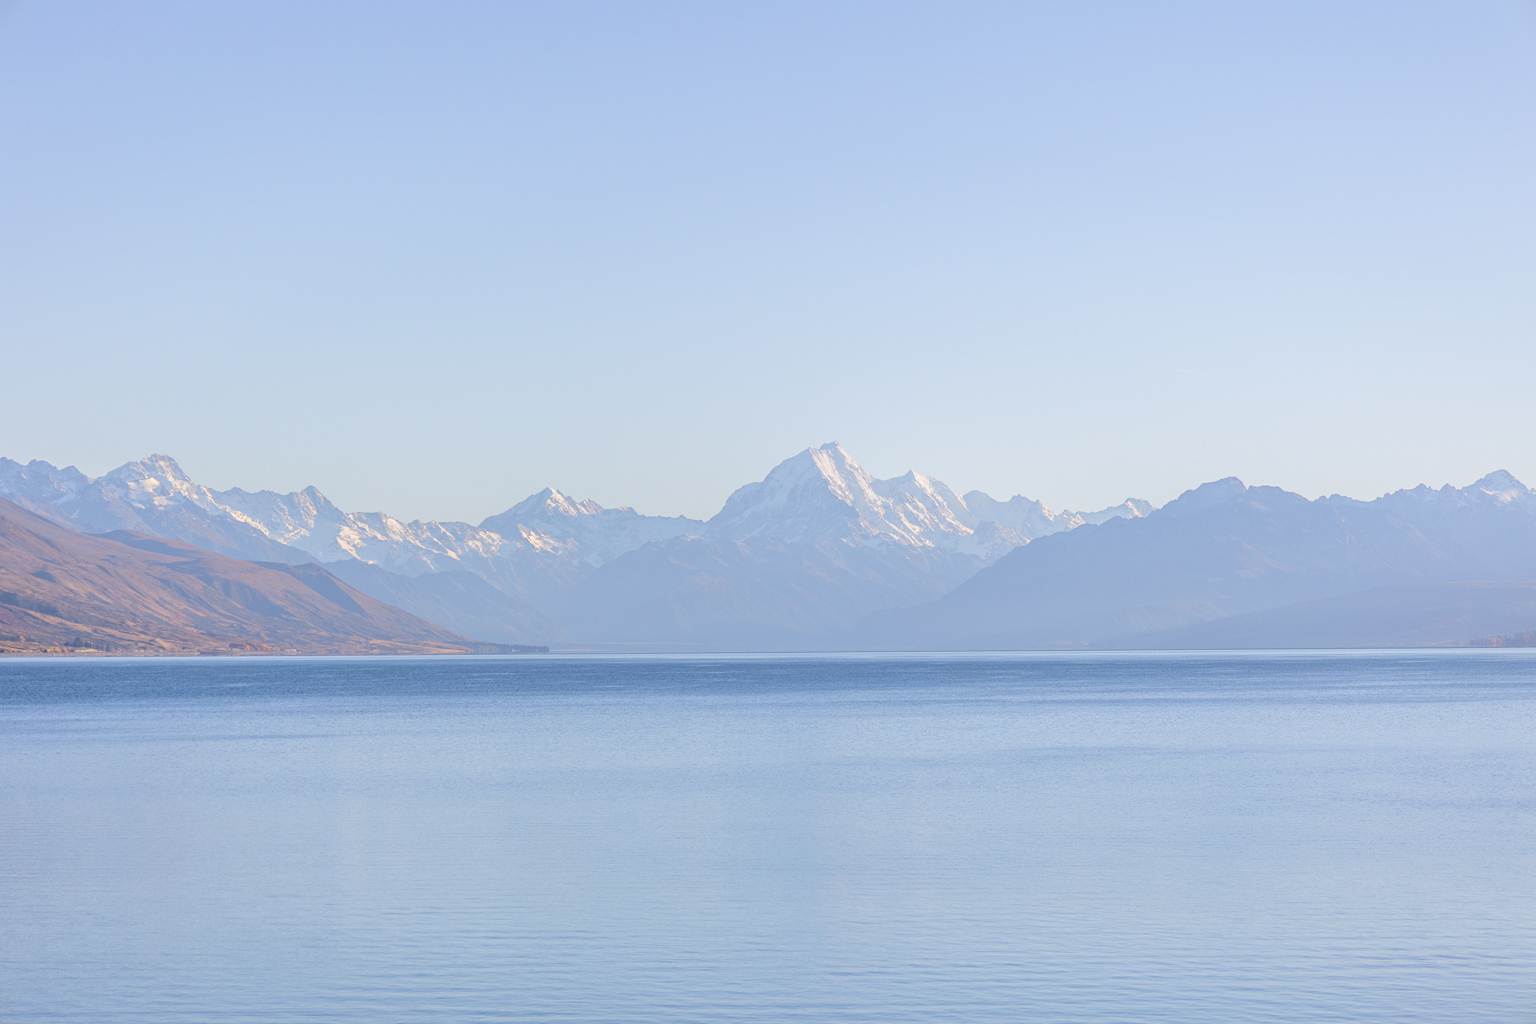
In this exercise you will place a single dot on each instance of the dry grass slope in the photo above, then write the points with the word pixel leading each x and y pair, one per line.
pixel 123 593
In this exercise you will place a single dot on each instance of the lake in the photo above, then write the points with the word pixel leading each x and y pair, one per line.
pixel 1161 838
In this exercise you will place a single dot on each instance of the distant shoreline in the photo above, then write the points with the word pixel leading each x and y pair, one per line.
pixel 6 650
pixel 506 650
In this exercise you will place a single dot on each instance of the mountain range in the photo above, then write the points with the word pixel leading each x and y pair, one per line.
pixel 791 559
pixel 819 554
pixel 1228 565
pixel 127 593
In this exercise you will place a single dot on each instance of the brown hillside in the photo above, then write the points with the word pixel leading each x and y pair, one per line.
pixel 123 593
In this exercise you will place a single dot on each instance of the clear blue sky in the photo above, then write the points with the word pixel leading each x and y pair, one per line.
pixel 433 256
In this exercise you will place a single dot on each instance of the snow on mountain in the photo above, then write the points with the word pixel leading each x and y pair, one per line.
pixel 39 486
pixel 1031 520
pixel 542 529
pixel 288 518
pixel 931 510
pixel 1130 508
pixel 1498 490
pixel 924 507
pixel 155 495
pixel 817 494
pixel 1501 486
pixel 156 481
pixel 819 542
pixel 550 505
pixel 67 590
pixel 793 558
pixel 552 521
pixel 310 522
pixel 786 561
pixel 1226 564
pixel 1023 517
pixel 152 495
pixel 823 493
pixel 531 562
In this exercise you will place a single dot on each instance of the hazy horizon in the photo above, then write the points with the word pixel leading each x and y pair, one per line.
pixel 219 483
pixel 431 261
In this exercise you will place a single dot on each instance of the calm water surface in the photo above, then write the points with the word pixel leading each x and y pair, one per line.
pixel 1099 838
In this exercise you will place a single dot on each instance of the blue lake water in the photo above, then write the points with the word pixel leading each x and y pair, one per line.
pixel 1168 838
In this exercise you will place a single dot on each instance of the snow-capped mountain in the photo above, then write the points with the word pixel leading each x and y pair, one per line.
pixel 64 590
pixel 1130 508
pixel 549 542
pixel 310 522
pixel 1023 517
pixel 793 558
pixel 583 529
pixel 798 558
pixel 823 493
pixel 1497 489
pixel 40 485
pixel 544 528
pixel 818 539
pixel 1228 565
pixel 1503 488
pixel 152 495
pixel 1031 520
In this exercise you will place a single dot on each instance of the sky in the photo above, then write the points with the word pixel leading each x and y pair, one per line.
pixel 432 257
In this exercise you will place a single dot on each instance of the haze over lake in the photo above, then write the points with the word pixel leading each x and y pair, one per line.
pixel 1171 838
